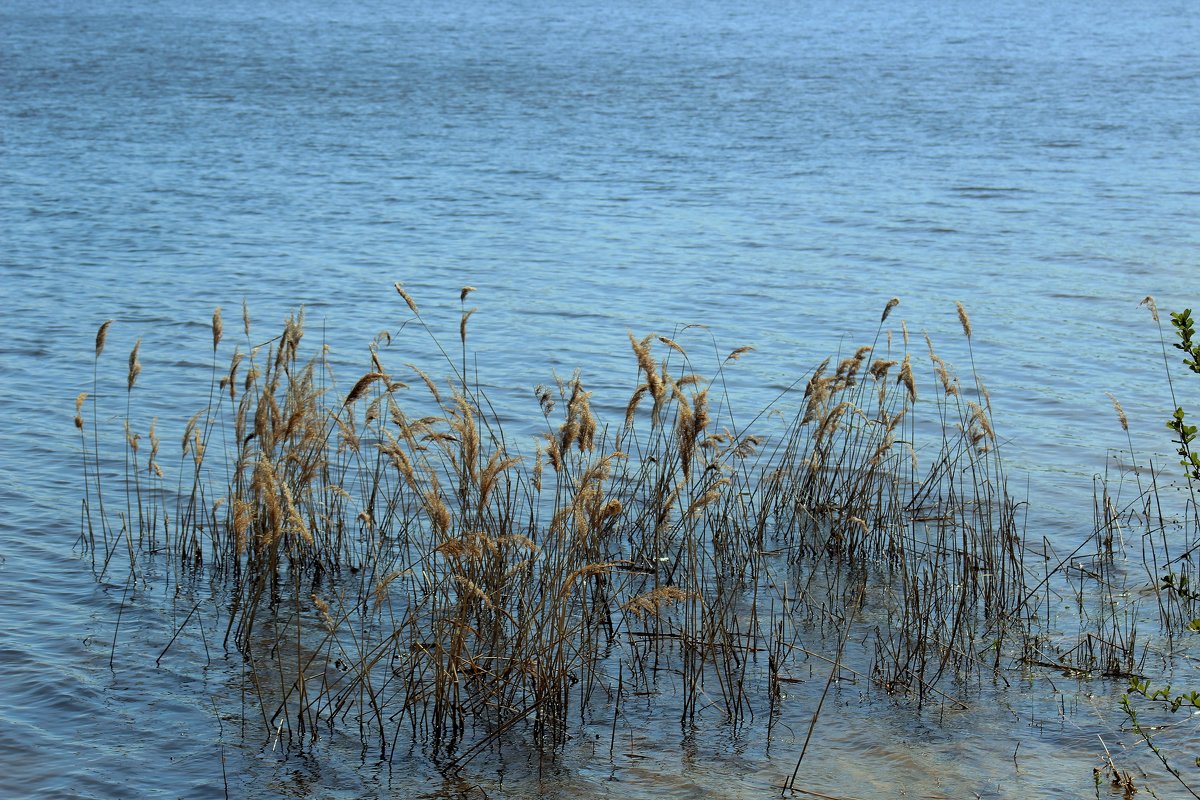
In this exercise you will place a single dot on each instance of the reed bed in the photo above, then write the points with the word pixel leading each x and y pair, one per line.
pixel 390 563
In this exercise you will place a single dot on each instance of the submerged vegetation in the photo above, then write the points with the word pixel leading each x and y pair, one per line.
pixel 391 563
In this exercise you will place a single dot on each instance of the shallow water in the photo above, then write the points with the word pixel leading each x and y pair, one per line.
pixel 776 174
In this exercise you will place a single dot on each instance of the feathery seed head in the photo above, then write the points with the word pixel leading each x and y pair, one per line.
pixel 79 399
pixel 218 327
pixel 462 325
pixel 135 366
pixel 1124 420
pixel 101 336
pixel 1147 301
pixel 412 306
pixel 895 301
pixel 360 387
pixel 739 352
pixel 964 320
pixel 906 378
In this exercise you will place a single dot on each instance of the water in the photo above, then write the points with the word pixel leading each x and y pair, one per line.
pixel 776 173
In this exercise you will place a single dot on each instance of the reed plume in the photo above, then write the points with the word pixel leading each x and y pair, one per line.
pixel 462 325
pixel 135 366
pixel 906 378
pixel 218 328
pixel 1124 420
pixel 412 305
pixel 963 319
pixel 895 301
pixel 647 364
pixel 739 352
pixel 102 336
pixel 362 385
pixel 1148 302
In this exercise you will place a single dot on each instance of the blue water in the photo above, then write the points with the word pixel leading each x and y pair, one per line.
pixel 776 172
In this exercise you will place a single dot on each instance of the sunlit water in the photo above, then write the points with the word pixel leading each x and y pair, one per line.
pixel 776 173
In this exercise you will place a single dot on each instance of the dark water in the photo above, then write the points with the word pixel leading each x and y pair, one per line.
pixel 776 172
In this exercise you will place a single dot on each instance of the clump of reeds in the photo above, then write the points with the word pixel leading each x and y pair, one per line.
pixel 390 560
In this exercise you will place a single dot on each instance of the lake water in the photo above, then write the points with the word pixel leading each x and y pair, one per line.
pixel 776 172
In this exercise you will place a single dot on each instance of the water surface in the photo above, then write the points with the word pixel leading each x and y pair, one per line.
pixel 776 173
